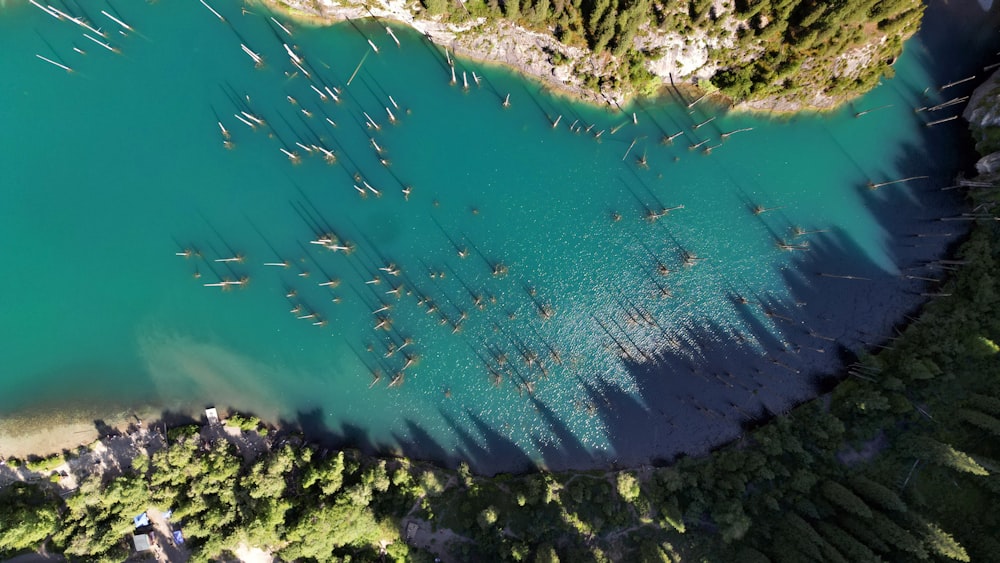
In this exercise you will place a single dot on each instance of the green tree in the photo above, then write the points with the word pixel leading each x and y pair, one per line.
pixel 846 544
pixel 842 497
pixel 877 493
pixel 546 554
pixel 944 544
pixel 627 486
pixel 925 447
pixel 27 517
pixel 897 536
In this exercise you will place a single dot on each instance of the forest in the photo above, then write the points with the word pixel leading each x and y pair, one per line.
pixel 787 49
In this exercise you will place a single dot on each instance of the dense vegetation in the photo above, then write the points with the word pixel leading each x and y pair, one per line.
pixel 892 466
pixel 757 49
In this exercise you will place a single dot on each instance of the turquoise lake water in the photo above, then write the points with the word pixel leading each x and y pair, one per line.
pixel 112 170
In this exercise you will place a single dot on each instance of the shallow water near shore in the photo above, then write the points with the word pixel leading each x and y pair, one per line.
pixel 113 169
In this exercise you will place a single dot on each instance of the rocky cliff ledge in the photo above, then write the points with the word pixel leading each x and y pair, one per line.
pixel 761 55
pixel 983 115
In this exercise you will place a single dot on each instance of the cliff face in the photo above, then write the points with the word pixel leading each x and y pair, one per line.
pixel 983 115
pixel 771 58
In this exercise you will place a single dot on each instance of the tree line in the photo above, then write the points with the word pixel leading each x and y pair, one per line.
pixel 791 49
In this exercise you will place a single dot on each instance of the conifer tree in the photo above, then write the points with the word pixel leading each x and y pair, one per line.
pixel 925 447
pixel 897 536
pixel 877 493
pixel 980 420
pixel 845 499
pixel 852 549
pixel 944 544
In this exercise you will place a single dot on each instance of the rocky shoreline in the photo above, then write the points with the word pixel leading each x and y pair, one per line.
pixel 689 58
pixel 685 59
pixel 501 43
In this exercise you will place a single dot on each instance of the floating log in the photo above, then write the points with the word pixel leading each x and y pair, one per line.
pixel 758 209
pixel 388 30
pixel 957 82
pixel 874 186
pixel 291 54
pixel 217 14
pixel 356 69
pixel 292 156
pixel 939 121
pixel 60 65
pixel 700 98
pixel 253 118
pixel 302 70
pixel 790 247
pixel 52 12
pixel 949 103
pixel 724 135
pixel 79 22
pixel 102 43
pixel 703 123
pixel 629 148
pixel 867 111
pixel 257 59
pixel 670 138
pixel 118 21
pixel 371 121
pixel 283 28
pixel 322 95
pixel 842 277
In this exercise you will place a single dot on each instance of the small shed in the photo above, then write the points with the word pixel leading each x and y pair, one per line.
pixel 212 415
pixel 142 542
pixel 141 520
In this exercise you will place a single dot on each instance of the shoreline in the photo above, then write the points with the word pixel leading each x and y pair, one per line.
pixel 444 35
pixel 524 52
pixel 51 430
